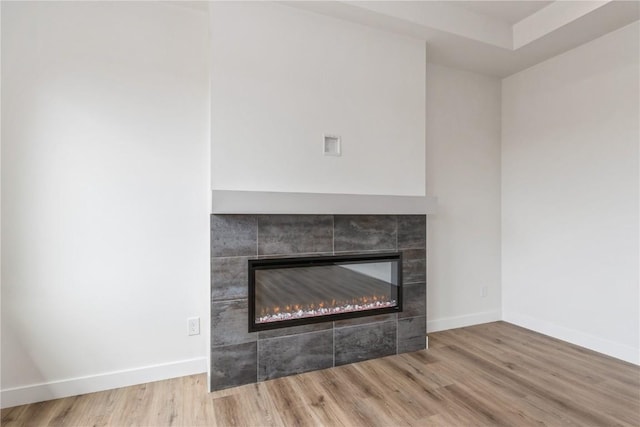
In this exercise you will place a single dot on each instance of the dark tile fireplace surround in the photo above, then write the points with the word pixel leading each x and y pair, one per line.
pixel 239 357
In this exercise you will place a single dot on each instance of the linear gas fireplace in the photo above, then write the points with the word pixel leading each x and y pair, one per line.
pixel 295 281
pixel 295 291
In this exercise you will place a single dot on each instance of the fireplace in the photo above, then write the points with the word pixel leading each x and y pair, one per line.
pixel 287 292
pixel 239 356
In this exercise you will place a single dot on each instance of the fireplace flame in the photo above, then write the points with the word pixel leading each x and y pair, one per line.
pixel 322 308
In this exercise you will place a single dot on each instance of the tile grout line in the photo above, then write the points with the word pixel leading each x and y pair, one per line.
pixel 333 252
pixel 333 234
pixel 333 328
pixel 257 235
pixel 257 254
pixel 397 324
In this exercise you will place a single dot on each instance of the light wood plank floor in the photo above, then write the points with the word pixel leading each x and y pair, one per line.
pixel 492 374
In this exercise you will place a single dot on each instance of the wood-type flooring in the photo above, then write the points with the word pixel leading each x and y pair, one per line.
pixel 495 374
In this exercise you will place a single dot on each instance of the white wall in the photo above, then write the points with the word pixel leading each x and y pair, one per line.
pixel 463 171
pixel 570 182
pixel 105 194
pixel 282 77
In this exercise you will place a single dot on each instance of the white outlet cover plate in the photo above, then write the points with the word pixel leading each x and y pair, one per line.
pixel 194 326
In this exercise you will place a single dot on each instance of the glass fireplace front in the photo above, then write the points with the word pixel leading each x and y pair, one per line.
pixel 295 291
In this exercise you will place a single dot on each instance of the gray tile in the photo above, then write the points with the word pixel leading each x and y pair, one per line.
pixel 412 231
pixel 365 252
pixel 279 357
pixel 233 235
pixel 293 330
pixel 414 265
pixel 412 334
pixel 414 300
pixel 365 320
pixel 300 255
pixel 365 342
pixel 288 234
pixel 229 323
pixel 234 365
pixel 365 232
pixel 229 278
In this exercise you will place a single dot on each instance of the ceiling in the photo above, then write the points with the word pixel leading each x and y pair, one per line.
pixel 506 11
pixel 496 38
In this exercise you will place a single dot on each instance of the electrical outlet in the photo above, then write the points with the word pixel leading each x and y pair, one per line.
pixel 194 326
pixel 485 291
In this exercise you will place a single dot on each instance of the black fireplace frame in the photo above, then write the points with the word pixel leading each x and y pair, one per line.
pixel 292 262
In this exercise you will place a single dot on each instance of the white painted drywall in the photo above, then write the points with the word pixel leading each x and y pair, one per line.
pixel 570 182
pixel 105 195
pixel 463 172
pixel 282 77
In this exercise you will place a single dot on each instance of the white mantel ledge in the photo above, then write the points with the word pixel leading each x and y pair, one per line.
pixel 268 202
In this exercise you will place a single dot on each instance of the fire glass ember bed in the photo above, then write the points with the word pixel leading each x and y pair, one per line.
pixel 296 291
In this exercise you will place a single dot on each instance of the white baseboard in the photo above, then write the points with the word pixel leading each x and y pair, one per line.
pixel 592 342
pixel 444 323
pixel 89 384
